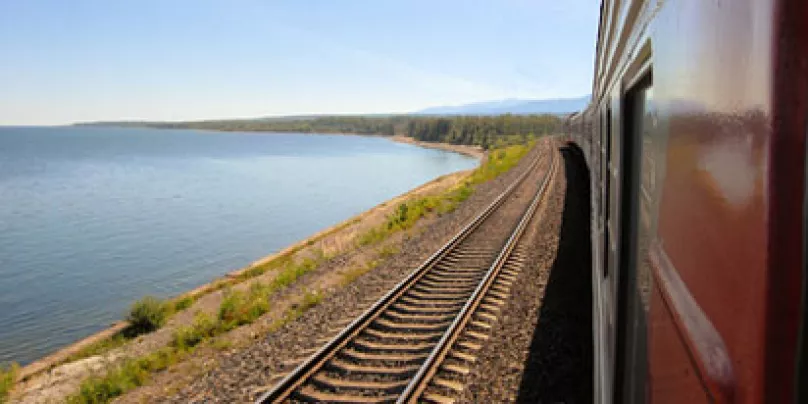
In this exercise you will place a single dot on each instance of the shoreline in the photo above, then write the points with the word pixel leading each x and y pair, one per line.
pixel 63 354
pixel 468 150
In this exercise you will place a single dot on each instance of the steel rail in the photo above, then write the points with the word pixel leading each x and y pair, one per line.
pixel 283 389
pixel 425 373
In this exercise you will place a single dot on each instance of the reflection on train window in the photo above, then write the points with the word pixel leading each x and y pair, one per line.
pixel 639 178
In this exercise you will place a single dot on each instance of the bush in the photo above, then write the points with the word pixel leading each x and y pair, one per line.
pixel 183 303
pixel 131 374
pixel 147 315
pixel 8 375
pixel 239 308
pixel 188 337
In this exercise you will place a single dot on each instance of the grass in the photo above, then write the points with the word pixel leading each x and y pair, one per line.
pixel 221 344
pixel 352 274
pixel 8 375
pixel 236 309
pixel 310 299
pixel 150 313
pixel 99 347
pixel 239 308
pixel 147 315
pixel 290 273
pixel 500 161
pixel 259 270
pixel 244 307
pixel 132 373
pixel 388 251
pixel 203 327
pixel 183 303
pixel 129 375
pixel 408 213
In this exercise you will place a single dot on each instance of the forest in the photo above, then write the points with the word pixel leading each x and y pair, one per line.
pixel 485 131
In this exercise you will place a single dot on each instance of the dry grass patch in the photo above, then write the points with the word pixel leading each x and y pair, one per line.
pixel 8 375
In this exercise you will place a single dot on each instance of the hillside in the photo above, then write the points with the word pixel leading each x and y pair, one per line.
pixel 512 106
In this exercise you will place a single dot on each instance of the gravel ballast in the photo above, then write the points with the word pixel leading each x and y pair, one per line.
pixel 541 349
pixel 241 375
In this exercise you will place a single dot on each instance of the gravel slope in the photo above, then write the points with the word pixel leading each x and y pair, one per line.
pixel 541 349
pixel 242 375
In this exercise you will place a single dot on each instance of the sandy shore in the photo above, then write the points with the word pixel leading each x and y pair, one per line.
pixel 53 360
pixel 473 151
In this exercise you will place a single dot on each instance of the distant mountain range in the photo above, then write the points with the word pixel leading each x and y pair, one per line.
pixel 512 106
pixel 556 106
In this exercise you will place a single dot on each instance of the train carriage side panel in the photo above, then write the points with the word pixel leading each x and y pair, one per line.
pixel 705 177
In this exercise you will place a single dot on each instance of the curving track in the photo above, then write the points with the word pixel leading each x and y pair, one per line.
pixel 415 343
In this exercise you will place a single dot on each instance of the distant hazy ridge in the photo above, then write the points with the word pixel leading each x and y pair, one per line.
pixel 516 107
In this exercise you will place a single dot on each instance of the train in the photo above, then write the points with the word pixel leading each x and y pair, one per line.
pixel 695 141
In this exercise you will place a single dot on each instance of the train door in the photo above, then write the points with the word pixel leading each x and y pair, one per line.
pixel 634 276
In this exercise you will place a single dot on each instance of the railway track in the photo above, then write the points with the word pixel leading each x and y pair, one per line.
pixel 415 344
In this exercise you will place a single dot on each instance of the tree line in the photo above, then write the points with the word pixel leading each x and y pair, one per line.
pixel 485 131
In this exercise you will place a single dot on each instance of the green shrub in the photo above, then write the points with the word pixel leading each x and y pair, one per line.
pixel 231 307
pixel 292 271
pixel 147 315
pixel 408 213
pixel 203 327
pixel 239 308
pixel 500 161
pixel 131 374
pixel 8 375
pixel 258 270
pixel 183 303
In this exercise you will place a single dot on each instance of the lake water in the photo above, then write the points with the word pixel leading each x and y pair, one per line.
pixel 93 218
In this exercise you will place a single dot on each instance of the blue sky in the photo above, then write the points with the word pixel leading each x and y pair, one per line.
pixel 69 61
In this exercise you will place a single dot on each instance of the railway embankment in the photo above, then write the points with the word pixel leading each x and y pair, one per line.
pixel 541 350
pixel 243 375
pixel 353 259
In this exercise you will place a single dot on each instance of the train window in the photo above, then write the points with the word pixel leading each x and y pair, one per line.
pixel 634 284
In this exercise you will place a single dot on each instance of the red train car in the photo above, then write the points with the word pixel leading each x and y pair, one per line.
pixel 695 141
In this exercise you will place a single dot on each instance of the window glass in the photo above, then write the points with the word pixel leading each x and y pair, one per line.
pixel 639 178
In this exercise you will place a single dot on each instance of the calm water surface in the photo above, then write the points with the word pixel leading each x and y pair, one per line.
pixel 93 218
